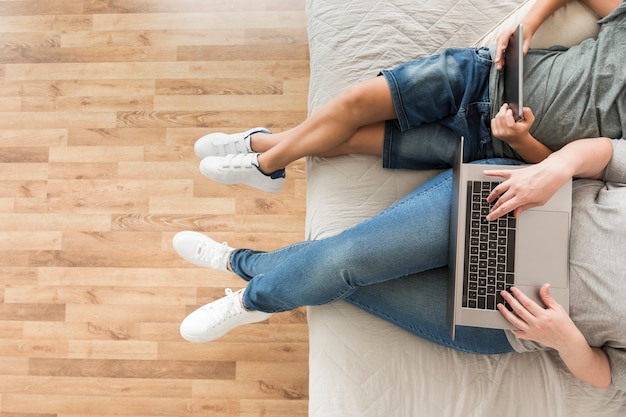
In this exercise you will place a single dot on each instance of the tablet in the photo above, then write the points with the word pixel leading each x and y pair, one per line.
pixel 513 73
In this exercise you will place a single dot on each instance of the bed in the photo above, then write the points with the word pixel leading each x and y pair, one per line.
pixel 360 365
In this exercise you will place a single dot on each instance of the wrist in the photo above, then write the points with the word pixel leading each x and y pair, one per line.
pixel 572 344
pixel 520 140
pixel 529 148
pixel 530 25
pixel 562 164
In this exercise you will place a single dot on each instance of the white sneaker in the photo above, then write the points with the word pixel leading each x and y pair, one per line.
pixel 215 319
pixel 241 169
pixel 200 250
pixel 222 144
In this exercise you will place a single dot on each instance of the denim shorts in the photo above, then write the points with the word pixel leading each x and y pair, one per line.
pixel 438 99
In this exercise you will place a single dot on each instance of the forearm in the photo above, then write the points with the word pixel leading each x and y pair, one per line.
pixel 533 185
pixel 587 363
pixel 584 158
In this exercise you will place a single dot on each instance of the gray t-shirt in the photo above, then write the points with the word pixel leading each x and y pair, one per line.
pixel 597 267
pixel 574 93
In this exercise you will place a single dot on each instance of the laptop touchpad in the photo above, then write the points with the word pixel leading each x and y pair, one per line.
pixel 542 248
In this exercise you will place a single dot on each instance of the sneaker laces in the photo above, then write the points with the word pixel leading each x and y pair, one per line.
pixel 214 255
pixel 225 308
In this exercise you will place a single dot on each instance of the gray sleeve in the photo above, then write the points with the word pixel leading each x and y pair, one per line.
pixel 616 169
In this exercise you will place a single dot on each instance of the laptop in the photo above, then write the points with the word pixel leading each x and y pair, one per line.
pixel 513 73
pixel 488 257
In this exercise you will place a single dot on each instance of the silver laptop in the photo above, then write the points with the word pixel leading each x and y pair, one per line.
pixel 513 73
pixel 488 257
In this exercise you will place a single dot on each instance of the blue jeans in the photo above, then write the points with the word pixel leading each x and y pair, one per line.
pixel 442 96
pixel 392 265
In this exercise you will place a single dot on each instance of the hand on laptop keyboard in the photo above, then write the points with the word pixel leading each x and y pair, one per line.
pixel 526 187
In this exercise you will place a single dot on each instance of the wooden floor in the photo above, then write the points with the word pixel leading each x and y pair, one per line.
pixel 101 102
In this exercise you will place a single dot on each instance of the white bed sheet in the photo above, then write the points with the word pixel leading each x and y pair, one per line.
pixel 361 365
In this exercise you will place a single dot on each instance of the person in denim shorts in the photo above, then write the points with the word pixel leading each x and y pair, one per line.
pixel 413 115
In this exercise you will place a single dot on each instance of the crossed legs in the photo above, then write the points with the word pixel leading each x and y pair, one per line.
pixel 352 122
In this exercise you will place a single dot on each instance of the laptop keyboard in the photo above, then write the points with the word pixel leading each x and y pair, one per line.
pixel 489 250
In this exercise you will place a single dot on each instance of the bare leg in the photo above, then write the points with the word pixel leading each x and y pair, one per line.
pixel 366 140
pixel 353 122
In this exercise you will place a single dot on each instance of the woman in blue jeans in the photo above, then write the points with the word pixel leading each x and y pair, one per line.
pixel 393 266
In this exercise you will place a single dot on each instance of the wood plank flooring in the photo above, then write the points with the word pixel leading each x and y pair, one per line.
pixel 101 102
